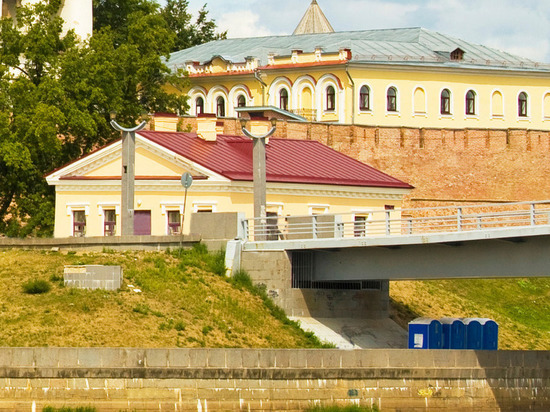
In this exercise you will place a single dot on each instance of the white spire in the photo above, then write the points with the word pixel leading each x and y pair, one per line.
pixel 314 21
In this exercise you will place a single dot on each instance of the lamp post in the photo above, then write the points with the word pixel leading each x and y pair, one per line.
pixel 259 177
pixel 128 174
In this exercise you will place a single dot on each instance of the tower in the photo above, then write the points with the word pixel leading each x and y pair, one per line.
pixel 314 21
pixel 77 14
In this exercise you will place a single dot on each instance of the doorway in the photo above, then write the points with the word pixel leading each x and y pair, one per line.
pixel 142 222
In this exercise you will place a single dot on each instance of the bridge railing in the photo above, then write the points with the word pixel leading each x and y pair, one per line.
pixel 398 222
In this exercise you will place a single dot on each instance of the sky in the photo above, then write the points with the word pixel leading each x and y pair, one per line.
pixel 520 27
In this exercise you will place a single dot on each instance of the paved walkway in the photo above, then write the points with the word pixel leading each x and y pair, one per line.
pixel 350 333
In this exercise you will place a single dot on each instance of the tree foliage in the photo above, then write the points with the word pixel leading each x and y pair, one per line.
pixel 56 93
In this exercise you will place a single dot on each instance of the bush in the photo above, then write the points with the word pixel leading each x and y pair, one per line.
pixel 36 287
pixel 67 409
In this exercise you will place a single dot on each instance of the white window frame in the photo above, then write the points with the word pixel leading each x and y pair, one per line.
pixel 451 104
pixel 312 206
pixel 498 116
pixel 102 206
pixel 527 117
pixel 371 100
pixel 397 111
pixel 77 207
pixel 170 206
pixel 477 104
pixel 213 204
pixel 416 113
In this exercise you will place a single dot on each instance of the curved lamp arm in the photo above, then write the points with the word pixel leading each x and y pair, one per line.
pixel 118 127
pixel 248 134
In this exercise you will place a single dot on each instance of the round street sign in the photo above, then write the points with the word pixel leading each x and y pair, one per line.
pixel 186 180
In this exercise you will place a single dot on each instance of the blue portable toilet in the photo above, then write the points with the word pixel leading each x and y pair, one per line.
pixel 474 333
pixel 454 333
pixel 490 334
pixel 425 333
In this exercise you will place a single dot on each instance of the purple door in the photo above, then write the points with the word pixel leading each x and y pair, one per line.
pixel 142 222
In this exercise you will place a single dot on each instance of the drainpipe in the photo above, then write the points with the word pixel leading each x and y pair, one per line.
pixel 264 85
pixel 353 95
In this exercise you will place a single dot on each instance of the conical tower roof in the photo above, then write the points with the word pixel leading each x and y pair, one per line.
pixel 314 21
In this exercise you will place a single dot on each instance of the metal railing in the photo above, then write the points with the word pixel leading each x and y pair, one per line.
pixel 399 222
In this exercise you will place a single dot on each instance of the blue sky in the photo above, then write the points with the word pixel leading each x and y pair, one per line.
pixel 518 26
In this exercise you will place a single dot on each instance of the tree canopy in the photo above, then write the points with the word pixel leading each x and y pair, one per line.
pixel 56 92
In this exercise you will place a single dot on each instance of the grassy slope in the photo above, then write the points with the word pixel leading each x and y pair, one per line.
pixel 521 307
pixel 182 303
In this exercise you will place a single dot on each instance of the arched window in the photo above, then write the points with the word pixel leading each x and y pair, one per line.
pixel 199 106
pixel 392 100
pixel 445 102
pixel 283 99
pixel 241 101
pixel 364 98
pixel 497 103
pixel 331 98
pixel 220 107
pixel 471 102
pixel 419 100
pixel 522 104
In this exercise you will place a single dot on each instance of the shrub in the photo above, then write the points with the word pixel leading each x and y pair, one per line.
pixel 36 286
pixel 67 409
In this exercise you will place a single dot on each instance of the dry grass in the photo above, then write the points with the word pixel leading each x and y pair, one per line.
pixel 182 304
pixel 521 307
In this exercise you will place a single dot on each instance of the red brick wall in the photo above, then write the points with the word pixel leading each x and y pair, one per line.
pixel 445 166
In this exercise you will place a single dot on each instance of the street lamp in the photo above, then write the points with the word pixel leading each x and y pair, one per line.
pixel 259 176
pixel 128 174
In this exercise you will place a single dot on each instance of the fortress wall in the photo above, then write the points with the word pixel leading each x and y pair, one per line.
pixel 272 379
pixel 445 165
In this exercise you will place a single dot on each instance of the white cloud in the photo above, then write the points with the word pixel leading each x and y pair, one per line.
pixel 242 23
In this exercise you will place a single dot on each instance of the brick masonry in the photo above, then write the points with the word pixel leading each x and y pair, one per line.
pixel 272 379
pixel 446 166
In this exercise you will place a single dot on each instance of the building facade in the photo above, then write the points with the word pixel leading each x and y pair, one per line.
pixel 303 178
pixel 409 77
pixel 77 14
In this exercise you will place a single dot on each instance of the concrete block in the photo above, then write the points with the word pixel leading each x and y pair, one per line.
pixel 297 359
pixel 216 358
pixel 156 358
pixel 314 359
pixel 234 358
pixel 267 358
pixel 89 357
pixel 198 358
pixel 179 358
pixel 250 358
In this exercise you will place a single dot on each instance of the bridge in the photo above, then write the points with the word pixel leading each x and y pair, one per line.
pixel 467 241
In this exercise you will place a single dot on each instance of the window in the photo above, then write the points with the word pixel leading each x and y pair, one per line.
pixel 79 223
pixel 331 99
pixel 419 99
pixel 360 225
pixel 283 99
pixel 241 101
pixel 522 105
pixel 392 100
pixel 364 98
pixel 199 106
pixel 109 222
pixel 220 107
pixel 446 102
pixel 471 102
pixel 174 222
pixel 206 207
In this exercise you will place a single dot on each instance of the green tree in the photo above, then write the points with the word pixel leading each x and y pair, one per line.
pixel 56 96
pixel 189 34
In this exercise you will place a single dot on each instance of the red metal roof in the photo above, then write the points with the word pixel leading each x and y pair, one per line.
pixel 288 160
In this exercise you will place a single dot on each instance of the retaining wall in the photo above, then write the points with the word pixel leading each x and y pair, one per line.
pixel 272 379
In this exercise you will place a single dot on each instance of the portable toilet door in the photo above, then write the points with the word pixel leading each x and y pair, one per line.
pixel 454 333
pixel 425 333
pixel 490 334
pixel 474 333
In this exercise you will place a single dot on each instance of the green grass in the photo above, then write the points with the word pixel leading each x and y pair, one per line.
pixel 183 299
pixel 521 307
pixel 67 409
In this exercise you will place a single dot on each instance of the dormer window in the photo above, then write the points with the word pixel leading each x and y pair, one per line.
pixel 457 54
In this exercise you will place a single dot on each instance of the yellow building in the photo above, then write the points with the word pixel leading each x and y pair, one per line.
pixel 303 178
pixel 409 77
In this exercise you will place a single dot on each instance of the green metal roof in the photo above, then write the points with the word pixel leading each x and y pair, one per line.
pixel 407 46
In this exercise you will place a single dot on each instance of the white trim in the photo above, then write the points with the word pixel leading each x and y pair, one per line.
pixel 108 205
pixel 371 100
pixel 234 94
pixel 397 111
pixel 71 207
pixel 451 104
pixel 476 104
pixel 526 118
pixel 544 117
pixel 312 206
pixel 213 94
pixel 275 89
pixel 212 203
pixel 491 109
pixel 301 83
pixel 278 205
pixel 171 205
pixel 414 111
